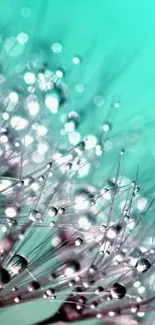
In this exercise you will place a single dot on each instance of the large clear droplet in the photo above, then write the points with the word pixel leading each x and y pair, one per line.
pixel 17 264
pixel 4 277
pixel 118 291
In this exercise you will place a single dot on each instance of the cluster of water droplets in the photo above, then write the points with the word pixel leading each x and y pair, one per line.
pixel 60 237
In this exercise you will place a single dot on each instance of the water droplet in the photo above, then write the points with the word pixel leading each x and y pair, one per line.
pixel 41 179
pixel 118 291
pixel 116 104
pixel 71 268
pixel 106 127
pixel 17 299
pixel 35 215
pixel 59 73
pixel 56 48
pixel 61 210
pixel 12 211
pixel 50 292
pixel 92 269
pixel 33 286
pixel 73 117
pixel 113 231
pixel 52 212
pixel 98 290
pixel 143 265
pixel 4 276
pixel 55 98
pixel 78 241
pixel 80 147
pixel 134 309
pixel 93 305
pixel 28 181
pixel 72 283
pixel 17 264
pixel 76 60
pixel 99 100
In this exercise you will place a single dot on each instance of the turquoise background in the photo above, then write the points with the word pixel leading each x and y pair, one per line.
pixel 115 40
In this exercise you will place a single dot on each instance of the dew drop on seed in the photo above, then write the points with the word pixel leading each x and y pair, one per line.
pixel 55 98
pixel 61 210
pixel 71 268
pixel 72 283
pixel 92 269
pixel 17 299
pixel 98 290
pixel 33 286
pixel 118 291
pixel 52 212
pixel 143 265
pixel 93 305
pixel 72 121
pixel 134 309
pixel 76 60
pixel 4 276
pixel 35 215
pixel 28 181
pixel 50 292
pixel 41 179
pixel 106 127
pixel 78 241
pixel 80 147
pixel 12 211
pixel 17 264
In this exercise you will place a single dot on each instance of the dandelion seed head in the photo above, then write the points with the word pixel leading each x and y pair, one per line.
pixel 65 232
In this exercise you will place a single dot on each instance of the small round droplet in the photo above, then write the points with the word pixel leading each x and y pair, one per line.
pixel 12 211
pixel 41 179
pixel 28 181
pixel 116 104
pixel 98 290
pixel 92 269
pixel 52 212
pixel 76 60
pixel 61 210
pixel 93 305
pixel 78 241
pixel 33 286
pixel 80 147
pixel 113 231
pixel 71 268
pixel 118 291
pixel 50 292
pixel 143 265
pixel 106 127
pixel 56 48
pixel 35 215
pixel 72 283
pixel 55 98
pixel 17 299
pixel 72 120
